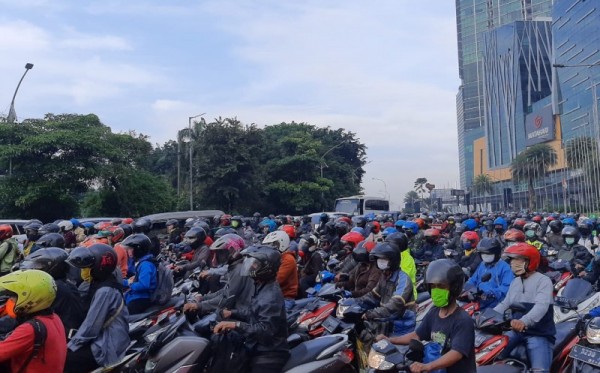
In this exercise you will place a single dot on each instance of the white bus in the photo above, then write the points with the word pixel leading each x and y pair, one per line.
pixel 361 205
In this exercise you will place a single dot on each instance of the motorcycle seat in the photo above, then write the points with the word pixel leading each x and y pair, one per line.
pixel 423 296
pixel 565 332
pixel 309 350
pixel 152 310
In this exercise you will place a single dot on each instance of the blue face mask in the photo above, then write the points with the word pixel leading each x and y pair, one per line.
pixel 466 245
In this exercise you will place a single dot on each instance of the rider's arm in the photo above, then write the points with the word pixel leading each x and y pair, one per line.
pixel 543 300
pixel 447 360
pixel 404 339
pixel 396 305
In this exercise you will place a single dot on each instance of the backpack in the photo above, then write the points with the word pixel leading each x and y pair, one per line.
pixel 164 284
pixel 40 334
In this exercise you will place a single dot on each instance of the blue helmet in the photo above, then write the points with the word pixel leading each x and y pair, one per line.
pixel 269 223
pixel 471 224
pixel 569 221
pixel 502 222
pixel 389 230
pixel 360 230
pixel 412 226
pixel 370 216
pixel 399 224
pixel 75 222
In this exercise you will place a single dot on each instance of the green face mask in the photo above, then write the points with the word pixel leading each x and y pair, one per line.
pixel 440 297
pixel 235 223
pixel 570 240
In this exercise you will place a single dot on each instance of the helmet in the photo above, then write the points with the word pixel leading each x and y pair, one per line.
pixel 524 251
pixel 100 257
pixel 341 228
pixel 142 225
pixel 48 228
pixel 261 262
pixel 289 229
pixel 223 231
pixel 410 227
pixel 116 221
pixel 233 243
pixel 460 228
pixel 398 240
pixel 490 246
pixel 172 223
pixel 360 230
pixel 6 232
pixel 225 220
pixel 556 226
pixel 324 218
pixel 307 241
pixel 75 222
pixel 389 230
pixel 139 243
pixel 269 224
pixel 569 221
pixel 52 260
pixel 585 227
pixel 35 290
pixel 421 223
pixel 195 236
pixel 534 228
pixel 569 231
pixel 514 235
pixel 470 237
pixel 127 221
pixel 432 234
pixel 65 225
pixel 519 223
pixel 375 226
pixel 278 239
pixel 360 221
pixel 446 272
pixel 51 240
pixel 352 238
pixel 384 250
pixel 344 219
pixel 499 221
pixel 399 224
pixel 117 233
pixel 362 250
pixel 470 224
pixel 236 221
pixel 538 219
pixel 100 226
pixel 127 230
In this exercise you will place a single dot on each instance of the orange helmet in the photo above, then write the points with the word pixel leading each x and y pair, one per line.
pixel 117 234
pixel 527 252
pixel 353 238
pixel 420 222
pixel 514 235
pixel 289 229
pixel 6 232
pixel 127 221
pixel 432 232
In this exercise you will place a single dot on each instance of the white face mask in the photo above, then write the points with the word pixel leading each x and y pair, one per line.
pixel 488 258
pixel 383 264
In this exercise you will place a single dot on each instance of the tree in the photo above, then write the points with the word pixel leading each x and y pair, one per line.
pixel 410 198
pixel 420 186
pixel 482 185
pixel 531 165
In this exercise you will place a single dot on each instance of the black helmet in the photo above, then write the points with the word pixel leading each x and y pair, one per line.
pixel 362 250
pixel 52 260
pixel 51 240
pixel 116 221
pixel 32 230
pixel 341 228
pixel 100 257
pixel 324 218
pixel 195 236
pixel 384 250
pixel 139 243
pixel 142 225
pixel 490 246
pixel 172 222
pixel 223 231
pixel 359 221
pixel 399 240
pixel 261 262
pixel 189 223
pixel 556 226
pixel 48 228
pixel 460 228
pixel 127 229
pixel 447 272
pixel 570 231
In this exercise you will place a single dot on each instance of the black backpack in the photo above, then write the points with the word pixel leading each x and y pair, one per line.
pixel 39 340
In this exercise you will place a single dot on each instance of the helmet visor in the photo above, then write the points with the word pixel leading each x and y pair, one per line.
pixel 30 264
pixel 250 266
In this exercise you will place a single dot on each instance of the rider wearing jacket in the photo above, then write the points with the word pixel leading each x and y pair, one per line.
pixel 577 256
pixel 392 298
pixel 365 276
pixel 468 259
pixel 313 262
pixel 493 290
pixel 399 241
pixel 194 239
pixel 144 283
pixel 9 249
pixel 287 274
pixel 431 249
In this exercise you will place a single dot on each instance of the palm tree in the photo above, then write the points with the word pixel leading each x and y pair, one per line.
pixel 420 186
pixel 532 164
pixel 410 198
pixel 482 185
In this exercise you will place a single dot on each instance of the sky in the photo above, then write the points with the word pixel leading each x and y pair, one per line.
pixel 385 70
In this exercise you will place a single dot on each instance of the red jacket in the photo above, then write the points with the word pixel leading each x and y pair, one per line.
pixel 287 276
pixel 19 345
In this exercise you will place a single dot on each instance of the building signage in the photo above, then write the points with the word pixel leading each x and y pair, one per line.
pixel 539 126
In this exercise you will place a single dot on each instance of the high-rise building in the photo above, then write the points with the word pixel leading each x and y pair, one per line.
pixel 473 19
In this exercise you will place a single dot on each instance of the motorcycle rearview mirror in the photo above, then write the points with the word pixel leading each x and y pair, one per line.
pixel 415 345
pixel 508 315
pixel 486 277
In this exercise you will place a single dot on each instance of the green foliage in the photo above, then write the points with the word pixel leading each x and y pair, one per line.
pixel 532 164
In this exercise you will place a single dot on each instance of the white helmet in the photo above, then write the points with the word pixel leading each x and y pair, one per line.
pixel 278 239
pixel 65 225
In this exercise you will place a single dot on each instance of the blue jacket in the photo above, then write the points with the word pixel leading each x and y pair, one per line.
pixel 146 280
pixel 498 284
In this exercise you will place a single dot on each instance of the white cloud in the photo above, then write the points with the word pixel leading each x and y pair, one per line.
pixel 95 42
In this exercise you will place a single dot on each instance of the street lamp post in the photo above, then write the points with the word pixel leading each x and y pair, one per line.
pixel 322 162
pixel 386 195
pixel 12 114
pixel 191 154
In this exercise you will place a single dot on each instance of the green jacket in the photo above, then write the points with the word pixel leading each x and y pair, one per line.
pixel 9 250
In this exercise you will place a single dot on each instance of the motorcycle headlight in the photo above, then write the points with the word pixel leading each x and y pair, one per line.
pixel 306 323
pixel 152 336
pixel 487 350
pixel 377 361
pixel 339 313
pixel 150 365
pixel 592 331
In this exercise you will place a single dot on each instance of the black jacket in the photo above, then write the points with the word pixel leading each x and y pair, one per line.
pixel 68 305
pixel 236 285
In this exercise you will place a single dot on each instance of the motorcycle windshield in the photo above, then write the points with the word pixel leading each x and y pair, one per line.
pixel 577 290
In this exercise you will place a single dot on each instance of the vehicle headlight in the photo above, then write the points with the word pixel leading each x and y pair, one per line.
pixel 487 350
pixel 150 365
pixel 339 313
pixel 152 336
pixel 592 331
pixel 306 323
pixel 377 361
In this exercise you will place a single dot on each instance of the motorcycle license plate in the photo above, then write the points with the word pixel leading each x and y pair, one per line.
pixel 587 355
pixel 330 324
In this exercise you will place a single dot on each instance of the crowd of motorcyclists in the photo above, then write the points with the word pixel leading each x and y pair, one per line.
pixel 67 291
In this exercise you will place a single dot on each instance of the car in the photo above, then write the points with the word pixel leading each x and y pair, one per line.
pixel 316 217
pixel 159 221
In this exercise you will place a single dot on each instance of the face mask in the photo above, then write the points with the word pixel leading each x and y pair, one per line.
pixel 489 228
pixel 383 264
pixel 430 240
pixel 488 258
pixel 570 240
pixel 499 230
pixel 86 274
pixel 440 297
pixel 467 246
pixel 517 268
pixel 530 234
pixel 235 224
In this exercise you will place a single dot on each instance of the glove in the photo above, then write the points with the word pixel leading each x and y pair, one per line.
pixel 347 294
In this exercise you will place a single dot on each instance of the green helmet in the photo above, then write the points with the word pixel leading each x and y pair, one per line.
pixel 35 290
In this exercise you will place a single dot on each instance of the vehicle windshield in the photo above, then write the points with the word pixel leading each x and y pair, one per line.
pixel 349 206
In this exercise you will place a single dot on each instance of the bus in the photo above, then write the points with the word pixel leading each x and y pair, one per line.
pixel 361 205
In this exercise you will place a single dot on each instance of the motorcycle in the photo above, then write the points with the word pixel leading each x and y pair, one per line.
pixel 584 354
pixel 577 297
pixel 560 274
pixel 311 317
pixel 387 357
pixel 469 299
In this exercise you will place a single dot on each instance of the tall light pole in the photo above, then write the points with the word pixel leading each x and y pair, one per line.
pixel 12 114
pixel 192 153
pixel 384 187
pixel 322 159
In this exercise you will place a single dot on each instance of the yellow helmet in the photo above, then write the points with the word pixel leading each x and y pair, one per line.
pixel 35 290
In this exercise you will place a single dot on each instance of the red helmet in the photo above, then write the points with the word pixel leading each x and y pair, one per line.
pixel 432 232
pixel 527 252
pixel 514 235
pixel 538 219
pixel 375 227
pixel 289 229
pixel 101 226
pixel 117 233
pixel 420 222
pixel 353 238
pixel 470 236
pixel 344 218
pixel 225 220
pixel 519 223
pixel 6 232
pixel 127 221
